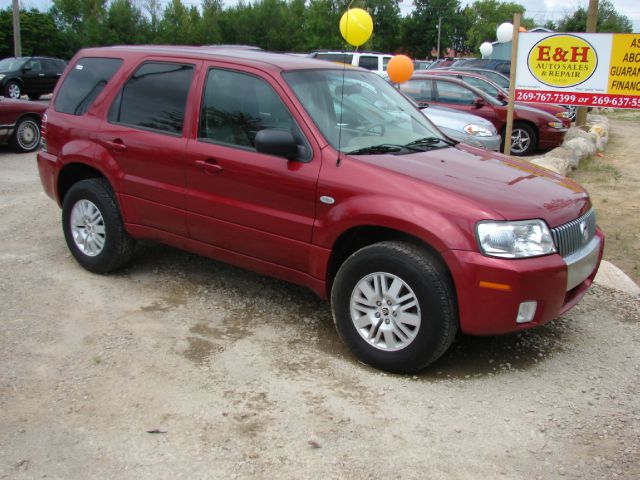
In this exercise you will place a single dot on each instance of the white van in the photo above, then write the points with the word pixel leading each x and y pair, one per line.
pixel 376 62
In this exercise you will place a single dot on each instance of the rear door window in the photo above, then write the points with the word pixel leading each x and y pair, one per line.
pixel 369 62
pixel 453 93
pixel 83 84
pixel 154 98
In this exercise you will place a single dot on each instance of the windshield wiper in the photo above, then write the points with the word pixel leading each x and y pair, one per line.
pixel 383 148
pixel 428 142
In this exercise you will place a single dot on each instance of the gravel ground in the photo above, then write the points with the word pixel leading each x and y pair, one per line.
pixel 182 367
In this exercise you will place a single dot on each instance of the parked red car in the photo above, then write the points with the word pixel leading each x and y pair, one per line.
pixel 246 156
pixel 20 124
pixel 532 128
pixel 493 89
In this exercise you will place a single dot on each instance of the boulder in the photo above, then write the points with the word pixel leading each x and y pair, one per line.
pixel 580 146
pixel 571 156
pixel 555 164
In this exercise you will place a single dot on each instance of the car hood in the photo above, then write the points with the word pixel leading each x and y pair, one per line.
pixel 450 118
pixel 498 185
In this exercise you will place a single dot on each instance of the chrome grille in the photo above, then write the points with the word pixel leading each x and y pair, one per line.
pixel 572 236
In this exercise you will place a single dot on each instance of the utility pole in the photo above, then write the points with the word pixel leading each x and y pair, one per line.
pixel 592 20
pixel 439 28
pixel 17 46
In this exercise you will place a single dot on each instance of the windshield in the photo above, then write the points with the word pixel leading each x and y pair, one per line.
pixel 12 64
pixel 357 111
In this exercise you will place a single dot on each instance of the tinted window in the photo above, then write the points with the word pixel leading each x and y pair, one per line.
pixel 336 57
pixel 34 65
pixel 236 106
pixel 452 93
pixel 49 65
pixel 154 97
pixel 482 85
pixel 368 62
pixel 84 83
pixel 419 90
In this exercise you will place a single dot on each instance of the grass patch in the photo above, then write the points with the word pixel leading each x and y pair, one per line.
pixel 599 172
pixel 631 115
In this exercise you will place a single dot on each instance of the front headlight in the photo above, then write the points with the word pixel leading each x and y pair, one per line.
pixel 478 130
pixel 556 124
pixel 563 115
pixel 529 238
pixel 2 75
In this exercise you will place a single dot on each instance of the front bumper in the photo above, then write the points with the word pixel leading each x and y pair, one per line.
pixel 556 284
pixel 550 137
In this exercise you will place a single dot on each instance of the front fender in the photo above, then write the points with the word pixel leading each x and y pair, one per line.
pixel 428 224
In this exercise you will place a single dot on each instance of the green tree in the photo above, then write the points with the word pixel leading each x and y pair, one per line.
pixel 386 24
pixel 485 16
pixel 38 32
pixel 124 24
pixel 420 33
pixel 609 20
pixel 178 24
pixel 322 19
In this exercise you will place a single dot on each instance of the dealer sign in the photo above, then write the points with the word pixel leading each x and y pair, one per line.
pixel 588 69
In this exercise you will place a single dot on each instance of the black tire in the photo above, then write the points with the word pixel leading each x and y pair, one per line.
pixel 13 90
pixel 26 135
pixel 523 139
pixel 424 277
pixel 117 246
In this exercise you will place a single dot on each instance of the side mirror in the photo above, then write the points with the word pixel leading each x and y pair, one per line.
pixel 478 102
pixel 26 68
pixel 276 142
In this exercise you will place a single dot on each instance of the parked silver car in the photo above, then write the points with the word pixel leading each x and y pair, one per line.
pixel 464 127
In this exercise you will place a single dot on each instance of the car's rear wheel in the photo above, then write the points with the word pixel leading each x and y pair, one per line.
pixel 13 90
pixel 394 306
pixel 26 135
pixel 523 139
pixel 93 227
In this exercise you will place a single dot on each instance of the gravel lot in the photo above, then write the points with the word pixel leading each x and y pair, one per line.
pixel 182 367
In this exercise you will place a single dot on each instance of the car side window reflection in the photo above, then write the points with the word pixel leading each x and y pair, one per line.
pixel 452 93
pixel 236 106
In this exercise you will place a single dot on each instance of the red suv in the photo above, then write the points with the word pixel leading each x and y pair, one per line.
pixel 247 157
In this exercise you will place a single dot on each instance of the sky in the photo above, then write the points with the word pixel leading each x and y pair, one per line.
pixel 540 10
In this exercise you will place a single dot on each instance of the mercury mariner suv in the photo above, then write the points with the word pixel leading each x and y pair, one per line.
pixel 320 175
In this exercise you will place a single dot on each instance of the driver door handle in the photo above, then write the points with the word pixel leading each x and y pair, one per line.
pixel 209 165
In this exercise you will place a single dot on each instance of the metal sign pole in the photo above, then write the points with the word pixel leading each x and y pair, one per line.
pixel 512 83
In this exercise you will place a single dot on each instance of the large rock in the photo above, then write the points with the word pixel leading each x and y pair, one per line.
pixel 572 156
pixel 556 164
pixel 580 146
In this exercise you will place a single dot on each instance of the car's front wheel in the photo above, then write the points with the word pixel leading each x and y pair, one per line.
pixel 523 139
pixel 93 227
pixel 26 135
pixel 13 90
pixel 394 306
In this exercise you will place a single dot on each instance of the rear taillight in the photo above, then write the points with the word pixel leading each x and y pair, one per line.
pixel 43 133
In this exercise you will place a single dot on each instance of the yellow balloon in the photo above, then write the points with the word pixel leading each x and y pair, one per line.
pixel 356 26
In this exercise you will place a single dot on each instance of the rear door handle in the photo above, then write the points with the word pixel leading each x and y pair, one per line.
pixel 209 165
pixel 117 145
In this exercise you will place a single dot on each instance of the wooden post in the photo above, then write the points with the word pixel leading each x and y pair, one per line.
pixel 17 45
pixel 592 20
pixel 508 129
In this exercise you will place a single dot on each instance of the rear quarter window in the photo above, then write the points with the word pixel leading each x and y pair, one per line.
pixel 154 98
pixel 83 84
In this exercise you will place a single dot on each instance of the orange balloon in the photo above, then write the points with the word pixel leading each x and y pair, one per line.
pixel 400 69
